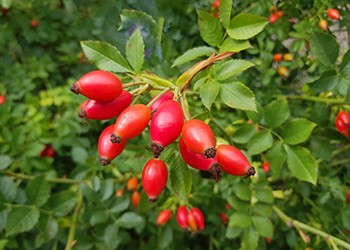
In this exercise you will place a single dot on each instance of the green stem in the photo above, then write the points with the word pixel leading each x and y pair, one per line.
pixel 336 163
pixel 343 149
pixel 222 129
pixel 184 107
pixel 52 180
pixel 157 97
pixel 272 132
pixel 316 99
pixel 297 224
pixel 71 234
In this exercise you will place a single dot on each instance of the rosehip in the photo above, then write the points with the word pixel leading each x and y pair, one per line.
pixel 342 122
pixel 224 218
pixel 34 23
pixel 181 216
pixel 278 57
pixel 119 192
pixel 333 14
pixel 199 217
pixel 216 4
pixel 273 18
pixel 167 96
pixel 135 199
pixel 166 126
pixel 199 137
pixel 106 149
pixel 131 122
pixel 191 222
pixel 283 71
pixel 163 217
pixel 199 161
pixel 288 57
pixel 348 200
pixel 280 13
pixel 98 85
pixel 154 178
pixel 105 110
pixel 233 161
pixel 2 99
pixel 323 24
pixel 132 184
pixel 48 151
pixel 268 240
pixel 266 166
pixel 4 11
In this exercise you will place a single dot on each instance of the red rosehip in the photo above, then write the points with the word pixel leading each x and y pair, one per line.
pixel 34 23
pixel 223 218
pixel 167 96
pixel 348 200
pixel 199 217
pixel 48 151
pixel 135 199
pixel 2 99
pixel 199 137
pixel 233 161
pixel 105 110
pixel 278 57
pixel 131 122
pixel 181 217
pixel 333 14
pixel 132 184
pixel 119 192
pixel 163 217
pixel 274 18
pixel 199 161
pixel 106 149
pixel 280 13
pixel 216 4
pixel 165 126
pixel 98 85
pixel 268 240
pixel 191 222
pixel 154 178
pixel 342 123
pixel 266 166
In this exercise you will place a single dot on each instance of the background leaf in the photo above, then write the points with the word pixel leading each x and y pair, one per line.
pixel 192 54
pixel 209 28
pixel 231 68
pixel 135 51
pixel 180 177
pixel 208 92
pixel 21 219
pixel 237 95
pixel 276 113
pixel 245 26
pixel 260 143
pixel 324 47
pixel 38 191
pixel 297 131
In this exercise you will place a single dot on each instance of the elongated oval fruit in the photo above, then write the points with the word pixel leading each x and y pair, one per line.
pixel 105 110
pixel 233 161
pixel 132 184
pixel 333 14
pixel 199 161
pixel 342 122
pixel 163 217
pixel 198 215
pixel 131 122
pixel 154 178
pixel 98 85
pixel 323 24
pixel 166 126
pixel 135 199
pixel 167 96
pixel 191 222
pixel 181 217
pixel 106 149
pixel 199 137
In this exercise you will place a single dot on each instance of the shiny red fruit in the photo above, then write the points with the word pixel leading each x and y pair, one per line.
pixel 274 18
pixel 2 99
pixel 135 199
pixel 333 14
pixel 132 184
pixel 163 217
pixel 216 4
pixel 199 137
pixel 167 96
pixel 233 161
pixel 191 222
pixel 154 178
pixel 199 161
pixel 107 150
pixel 34 23
pixel 342 122
pixel 278 57
pixel 266 166
pixel 224 218
pixel 348 198
pixel 98 85
pixel 181 217
pixel 48 151
pixel 198 215
pixel 105 110
pixel 131 122
pixel 166 126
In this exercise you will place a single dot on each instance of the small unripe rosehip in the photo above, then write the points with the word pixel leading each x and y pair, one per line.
pixel 163 217
pixel 34 23
pixel 132 184
pixel 135 199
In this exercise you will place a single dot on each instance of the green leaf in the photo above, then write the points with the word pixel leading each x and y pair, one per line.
pixel 3 217
pixel 238 204
pixel 250 239
pixel 301 163
pixel 260 142
pixel 180 177
pixel 21 219
pixel 324 47
pixel 240 220
pixel 263 226
pixel 107 189
pixel 244 133
pixel 231 68
pixel 192 54
pixel 237 95
pixel 119 205
pixel 345 65
pixel 232 232
pixel 225 9
pixel 243 192
pixel 165 236
pixel 345 216
pixel 232 45
pixel 297 131
pixel 63 202
pixel 327 81
pixel 8 188
pixel 48 226
pixel 208 92
pixel 245 26
pixel 262 209
pixel 276 156
pixel 209 28
pixel 38 191
pixel 5 162
pixel 276 113
pixel 135 51
pixel 98 217
pixel 6 3
pixel 130 220
pixel 264 195
pixel 79 154
pixel 105 56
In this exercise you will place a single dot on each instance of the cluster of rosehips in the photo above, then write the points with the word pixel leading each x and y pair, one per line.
pixel 283 70
pixel 332 14
pixel 275 14
pixel 166 118
pixel 215 5
pixel 342 123
pixel 190 219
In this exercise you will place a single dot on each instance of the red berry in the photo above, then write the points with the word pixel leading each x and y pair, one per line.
pixel 106 149
pixel 167 96
pixel 199 161
pixel 199 137
pixel 266 166
pixel 119 192
pixel 181 216
pixel 342 122
pixel 198 215
pixel 274 18
pixel 154 178
pixel 34 23
pixel 233 161
pixel 48 151
pixel 105 110
pixel 98 85
pixel 348 200
pixel 191 222
pixel 333 14
pixel 278 57
pixel 135 199
pixel 268 240
pixel 132 184
pixel 163 217
pixel 224 218
pixel 2 99
pixel 216 4
pixel 166 126
pixel 131 122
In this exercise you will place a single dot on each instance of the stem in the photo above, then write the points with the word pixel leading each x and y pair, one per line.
pixel 185 108
pixel 219 126
pixel 297 224
pixel 343 149
pixel 52 180
pixel 71 235
pixel 131 84
pixel 335 163
pixel 316 99
pixel 157 97
pixel 272 132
